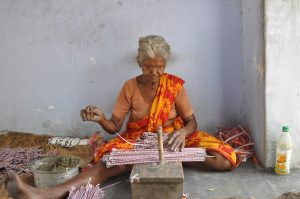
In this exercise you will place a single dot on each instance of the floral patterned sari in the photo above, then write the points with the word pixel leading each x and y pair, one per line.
pixel 169 88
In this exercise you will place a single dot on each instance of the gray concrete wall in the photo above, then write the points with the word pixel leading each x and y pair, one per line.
pixel 59 56
pixel 282 25
pixel 254 72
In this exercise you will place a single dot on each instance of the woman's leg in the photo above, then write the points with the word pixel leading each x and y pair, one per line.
pixel 98 174
pixel 216 163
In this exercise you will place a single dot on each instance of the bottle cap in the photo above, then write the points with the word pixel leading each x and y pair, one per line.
pixel 285 128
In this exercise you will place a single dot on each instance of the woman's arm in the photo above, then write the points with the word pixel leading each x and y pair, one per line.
pixel 184 109
pixel 95 114
pixel 177 140
pixel 190 124
pixel 122 106
pixel 112 125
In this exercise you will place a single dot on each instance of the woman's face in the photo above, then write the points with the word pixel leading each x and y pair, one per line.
pixel 153 68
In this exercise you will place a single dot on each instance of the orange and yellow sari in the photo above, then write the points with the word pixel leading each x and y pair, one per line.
pixel 169 88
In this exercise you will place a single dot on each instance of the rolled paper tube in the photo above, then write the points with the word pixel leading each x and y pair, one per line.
pixel 147 151
pixel 132 156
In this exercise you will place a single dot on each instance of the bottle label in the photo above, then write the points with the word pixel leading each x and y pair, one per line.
pixel 283 160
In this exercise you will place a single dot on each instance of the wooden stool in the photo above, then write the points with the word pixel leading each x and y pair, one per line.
pixel 157 181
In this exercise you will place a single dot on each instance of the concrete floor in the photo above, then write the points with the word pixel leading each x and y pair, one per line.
pixel 245 182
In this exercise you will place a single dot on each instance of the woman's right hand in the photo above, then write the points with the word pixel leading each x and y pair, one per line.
pixel 92 113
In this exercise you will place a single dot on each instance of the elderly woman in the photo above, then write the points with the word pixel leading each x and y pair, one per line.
pixel 152 99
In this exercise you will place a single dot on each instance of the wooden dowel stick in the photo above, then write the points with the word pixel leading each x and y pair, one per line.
pixel 160 145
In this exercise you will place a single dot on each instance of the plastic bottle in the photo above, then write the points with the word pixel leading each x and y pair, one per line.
pixel 283 152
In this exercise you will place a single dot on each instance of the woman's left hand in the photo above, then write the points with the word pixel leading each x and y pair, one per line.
pixel 177 140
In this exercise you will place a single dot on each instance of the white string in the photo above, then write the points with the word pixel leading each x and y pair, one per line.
pixel 112 184
pixel 210 156
pixel 120 135
pixel 128 141
pixel 135 177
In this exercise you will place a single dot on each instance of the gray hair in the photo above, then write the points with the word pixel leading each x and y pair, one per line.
pixel 152 46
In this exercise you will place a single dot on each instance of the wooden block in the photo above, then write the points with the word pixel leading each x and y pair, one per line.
pixel 149 181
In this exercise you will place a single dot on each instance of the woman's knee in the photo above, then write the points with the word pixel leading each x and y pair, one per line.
pixel 225 165
pixel 221 163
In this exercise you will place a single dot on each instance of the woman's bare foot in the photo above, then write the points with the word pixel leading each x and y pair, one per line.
pixel 18 189
pixel 99 173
